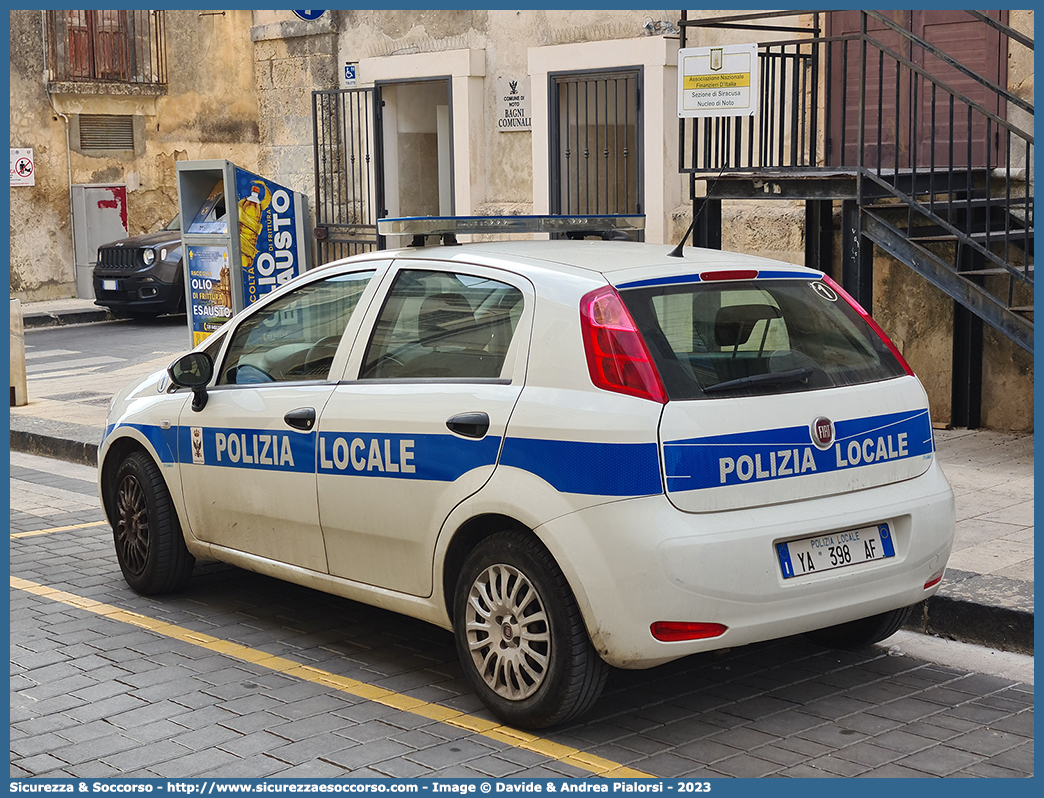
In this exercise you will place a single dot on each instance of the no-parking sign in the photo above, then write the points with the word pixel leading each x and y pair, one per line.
pixel 23 170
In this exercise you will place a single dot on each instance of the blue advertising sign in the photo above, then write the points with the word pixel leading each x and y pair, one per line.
pixel 268 235
pixel 210 286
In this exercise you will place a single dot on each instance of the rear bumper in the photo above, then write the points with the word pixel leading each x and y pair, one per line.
pixel 639 561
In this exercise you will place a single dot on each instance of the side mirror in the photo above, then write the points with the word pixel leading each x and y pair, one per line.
pixel 194 371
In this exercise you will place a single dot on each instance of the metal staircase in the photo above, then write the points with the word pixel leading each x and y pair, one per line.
pixel 930 159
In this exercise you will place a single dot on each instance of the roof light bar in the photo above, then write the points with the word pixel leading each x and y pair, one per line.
pixel 451 225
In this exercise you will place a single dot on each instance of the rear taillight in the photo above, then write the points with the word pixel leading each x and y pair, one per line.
pixel 617 357
pixel 676 631
pixel 873 324
pixel 934 580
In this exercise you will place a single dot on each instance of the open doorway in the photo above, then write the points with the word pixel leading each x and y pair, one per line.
pixel 417 136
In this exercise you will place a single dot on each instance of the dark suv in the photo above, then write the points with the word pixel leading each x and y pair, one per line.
pixel 142 275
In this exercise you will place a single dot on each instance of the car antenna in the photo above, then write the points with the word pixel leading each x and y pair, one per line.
pixel 677 251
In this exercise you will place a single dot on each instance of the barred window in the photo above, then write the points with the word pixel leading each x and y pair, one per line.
pixel 115 46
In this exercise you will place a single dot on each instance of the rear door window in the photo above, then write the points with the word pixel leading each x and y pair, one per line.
pixel 443 325
pixel 750 337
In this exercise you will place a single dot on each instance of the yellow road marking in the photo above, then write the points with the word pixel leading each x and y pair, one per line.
pixel 56 529
pixel 379 695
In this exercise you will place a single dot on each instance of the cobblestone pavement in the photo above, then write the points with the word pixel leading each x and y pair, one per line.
pixel 244 676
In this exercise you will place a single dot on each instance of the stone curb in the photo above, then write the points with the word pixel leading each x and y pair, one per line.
pixel 79 452
pixel 1001 628
pixel 947 616
pixel 43 319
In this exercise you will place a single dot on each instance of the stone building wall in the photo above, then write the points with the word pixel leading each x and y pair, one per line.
pixel 209 110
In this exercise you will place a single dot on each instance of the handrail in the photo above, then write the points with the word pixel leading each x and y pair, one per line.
pixel 930 48
pixel 1007 30
pixel 955 93
pixel 943 168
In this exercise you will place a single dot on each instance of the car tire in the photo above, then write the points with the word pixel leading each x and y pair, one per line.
pixel 863 632
pixel 146 532
pixel 520 635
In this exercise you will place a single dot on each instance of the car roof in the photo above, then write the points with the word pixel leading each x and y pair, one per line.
pixel 618 261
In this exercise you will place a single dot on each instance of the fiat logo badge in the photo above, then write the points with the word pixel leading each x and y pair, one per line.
pixel 823 432
pixel 508 632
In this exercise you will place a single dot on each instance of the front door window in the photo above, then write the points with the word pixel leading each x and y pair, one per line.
pixel 296 336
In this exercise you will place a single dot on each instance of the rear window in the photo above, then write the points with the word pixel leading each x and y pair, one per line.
pixel 750 337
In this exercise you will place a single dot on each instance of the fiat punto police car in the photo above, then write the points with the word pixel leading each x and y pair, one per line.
pixel 575 454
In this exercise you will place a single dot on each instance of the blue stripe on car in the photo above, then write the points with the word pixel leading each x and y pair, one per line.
pixel 266 450
pixel 163 441
pixel 679 279
pixel 438 458
pixel 596 469
pixel 600 469
pixel 766 455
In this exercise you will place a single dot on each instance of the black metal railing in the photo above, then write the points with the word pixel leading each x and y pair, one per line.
pixel 939 156
pixel 347 193
pixel 107 46
pixel 785 138
pixel 784 134
pixel 960 171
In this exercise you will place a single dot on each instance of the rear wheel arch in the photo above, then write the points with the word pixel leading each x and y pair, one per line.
pixel 465 539
pixel 521 637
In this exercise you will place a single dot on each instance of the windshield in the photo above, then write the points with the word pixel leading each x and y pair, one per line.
pixel 747 337
pixel 174 224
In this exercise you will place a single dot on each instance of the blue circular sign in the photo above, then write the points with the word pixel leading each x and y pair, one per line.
pixel 309 16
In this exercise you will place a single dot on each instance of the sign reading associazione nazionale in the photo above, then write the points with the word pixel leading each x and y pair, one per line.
pixel 718 81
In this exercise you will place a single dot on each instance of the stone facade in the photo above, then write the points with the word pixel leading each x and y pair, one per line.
pixel 208 110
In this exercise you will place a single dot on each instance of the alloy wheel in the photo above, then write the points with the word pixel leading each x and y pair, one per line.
pixel 132 524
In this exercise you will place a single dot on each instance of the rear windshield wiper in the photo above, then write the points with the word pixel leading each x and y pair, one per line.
pixel 774 378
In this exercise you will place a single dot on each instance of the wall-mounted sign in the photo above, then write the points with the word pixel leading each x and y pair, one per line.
pixel 23 170
pixel 349 76
pixel 718 81
pixel 309 16
pixel 514 104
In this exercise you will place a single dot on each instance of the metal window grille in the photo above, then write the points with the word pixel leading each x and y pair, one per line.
pixel 116 46
pixel 596 140
pixel 106 132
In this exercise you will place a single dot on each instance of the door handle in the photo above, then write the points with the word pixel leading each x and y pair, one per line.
pixel 303 418
pixel 470 425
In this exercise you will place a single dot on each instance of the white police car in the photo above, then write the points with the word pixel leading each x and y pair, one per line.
pixel 574 454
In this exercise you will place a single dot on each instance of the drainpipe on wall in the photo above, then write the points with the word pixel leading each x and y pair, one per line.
pixel 68 143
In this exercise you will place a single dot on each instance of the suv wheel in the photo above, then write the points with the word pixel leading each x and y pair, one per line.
pixel 520 636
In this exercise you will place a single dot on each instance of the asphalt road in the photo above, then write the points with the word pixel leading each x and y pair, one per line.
pixel 102 344
pixel 244 676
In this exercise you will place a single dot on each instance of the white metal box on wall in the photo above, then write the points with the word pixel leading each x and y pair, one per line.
pixel 99 216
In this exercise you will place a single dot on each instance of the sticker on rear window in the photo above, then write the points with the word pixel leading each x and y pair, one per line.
pixel 824 291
